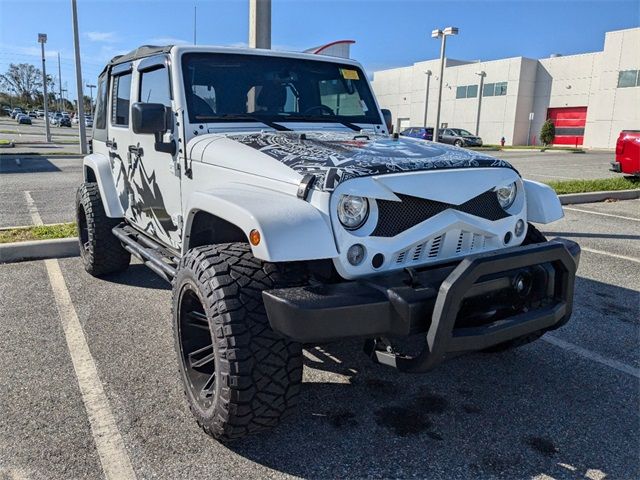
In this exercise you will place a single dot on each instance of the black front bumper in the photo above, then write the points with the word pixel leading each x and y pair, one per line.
pixel 469 306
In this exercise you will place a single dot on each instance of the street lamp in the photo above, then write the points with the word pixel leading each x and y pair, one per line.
pixel 481 74
pixel 426 96
pixel 442 34
pixel 90 87
pixel 42 39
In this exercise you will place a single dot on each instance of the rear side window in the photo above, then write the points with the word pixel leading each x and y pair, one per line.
pixel 100 123
pixel 155 88
pixel 120 100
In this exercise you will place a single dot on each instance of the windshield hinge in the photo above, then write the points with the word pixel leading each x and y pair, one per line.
pixel 305 185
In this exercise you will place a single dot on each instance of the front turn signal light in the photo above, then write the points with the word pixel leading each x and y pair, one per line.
pixel 254 237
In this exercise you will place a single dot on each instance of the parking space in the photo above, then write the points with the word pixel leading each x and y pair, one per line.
pixel 563 407
pixel 558 165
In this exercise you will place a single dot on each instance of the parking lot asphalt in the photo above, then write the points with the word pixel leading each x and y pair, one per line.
pixel 52 180
pixel 565 407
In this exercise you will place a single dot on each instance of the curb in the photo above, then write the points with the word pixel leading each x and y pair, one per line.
pixel 592 197
pixel 39 249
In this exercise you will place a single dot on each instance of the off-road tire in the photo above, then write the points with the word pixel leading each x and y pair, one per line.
pixel 256 373
pixel 100 250
pixel 533 236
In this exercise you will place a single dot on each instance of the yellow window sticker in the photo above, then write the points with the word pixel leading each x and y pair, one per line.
pixel 349 74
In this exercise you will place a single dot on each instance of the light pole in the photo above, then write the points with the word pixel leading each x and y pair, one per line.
pixel 42 39
pixel 76 44
pixel 90 87
pixel 481 75
pixel 259 23
pixel 442 34
pixel 426 96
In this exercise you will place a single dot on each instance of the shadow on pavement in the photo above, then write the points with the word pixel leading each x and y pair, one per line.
pixel 519 414
pixel 138 275
pixel 33 164
pixel 592 235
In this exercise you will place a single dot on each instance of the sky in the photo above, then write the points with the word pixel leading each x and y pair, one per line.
pixel 388 33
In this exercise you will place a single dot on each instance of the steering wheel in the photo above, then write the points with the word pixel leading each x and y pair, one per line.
pixel 323 110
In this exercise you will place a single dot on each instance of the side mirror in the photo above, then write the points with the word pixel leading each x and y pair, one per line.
pixel 388 119
pixel 148 118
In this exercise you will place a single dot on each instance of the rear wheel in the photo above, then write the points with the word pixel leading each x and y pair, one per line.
pixel 100 250
pixel 239 376
pixel 533 236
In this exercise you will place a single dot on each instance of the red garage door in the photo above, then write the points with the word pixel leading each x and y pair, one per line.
pixel 569 122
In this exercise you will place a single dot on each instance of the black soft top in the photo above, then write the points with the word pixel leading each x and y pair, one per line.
pixel 140 52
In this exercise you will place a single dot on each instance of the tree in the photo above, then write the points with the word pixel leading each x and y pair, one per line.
pixel 547 133
pixel 24 80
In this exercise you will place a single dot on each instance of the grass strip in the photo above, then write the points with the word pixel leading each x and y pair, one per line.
pixel 598 185
pixel 41 232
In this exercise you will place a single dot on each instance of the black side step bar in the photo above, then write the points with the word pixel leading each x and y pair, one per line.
pixel 152 254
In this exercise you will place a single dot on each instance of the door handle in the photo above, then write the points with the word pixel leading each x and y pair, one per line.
pixel 111 144
pixel 136 150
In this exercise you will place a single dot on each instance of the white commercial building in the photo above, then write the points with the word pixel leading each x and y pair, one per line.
pixel 590 97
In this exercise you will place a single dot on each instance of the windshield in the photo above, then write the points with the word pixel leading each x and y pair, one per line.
pixel 223 87
pixel 461 132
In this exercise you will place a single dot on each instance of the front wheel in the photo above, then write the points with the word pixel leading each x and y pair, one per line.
pixel 239 376
pixel 458 143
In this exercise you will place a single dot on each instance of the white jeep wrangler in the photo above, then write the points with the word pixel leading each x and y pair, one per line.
pixel 266 187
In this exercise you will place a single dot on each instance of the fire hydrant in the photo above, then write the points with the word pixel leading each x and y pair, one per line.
pixel 502 140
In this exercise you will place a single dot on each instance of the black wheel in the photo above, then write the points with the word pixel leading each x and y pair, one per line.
pixel 458 143
pixel 533 236
pixel 100 250
pixel 239 376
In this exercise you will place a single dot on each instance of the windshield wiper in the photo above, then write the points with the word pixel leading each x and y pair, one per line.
pixel 329 119
pixel 242 116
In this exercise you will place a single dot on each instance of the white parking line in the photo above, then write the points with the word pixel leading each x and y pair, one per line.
pixel 603 214
pixel 583 352
pixel 33 210
pixel 609 254
pixel 109 444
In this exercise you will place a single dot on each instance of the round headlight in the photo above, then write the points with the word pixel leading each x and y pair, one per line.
pixel 353 211
pixel 506 195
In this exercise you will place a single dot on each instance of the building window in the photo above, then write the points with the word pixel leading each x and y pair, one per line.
pixel 629 78
pixel 501 88
pixel 120 100
pixel 487 90
pixel 467 91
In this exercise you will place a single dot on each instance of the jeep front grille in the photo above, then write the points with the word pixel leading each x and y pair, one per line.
pixel 464 243
pixel 396 217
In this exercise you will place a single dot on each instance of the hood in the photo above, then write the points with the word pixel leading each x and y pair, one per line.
pixel 333 157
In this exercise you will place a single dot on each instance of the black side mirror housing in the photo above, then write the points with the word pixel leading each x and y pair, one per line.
pixel 148 118
pixel 388 119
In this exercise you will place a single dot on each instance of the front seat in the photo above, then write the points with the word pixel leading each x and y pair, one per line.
pixel 272 98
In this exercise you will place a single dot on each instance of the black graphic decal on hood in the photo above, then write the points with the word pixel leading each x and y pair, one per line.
pixel 335 157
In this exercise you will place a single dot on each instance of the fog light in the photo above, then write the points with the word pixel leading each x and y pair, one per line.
pixel 507 237
pixel 519 230
pixel 355 254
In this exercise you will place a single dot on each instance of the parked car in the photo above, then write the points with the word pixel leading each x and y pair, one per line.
pixel 459 137
pixel 88 122
pixel 64 121
pixel 56 118
pixel 33 114
pixel 627 153
pixel 425 133
pixel 15 112
pixel 40 113
pixel 287 225
pixel 24 119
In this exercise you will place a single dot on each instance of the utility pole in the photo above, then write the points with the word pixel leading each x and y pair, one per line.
pixel 482 75
pixel 90 87
pixel 42 39
pixel 442 34
pixel 259 23
pixel 426 96
pixel 76 44
pixel 60 83
pixel 195 17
